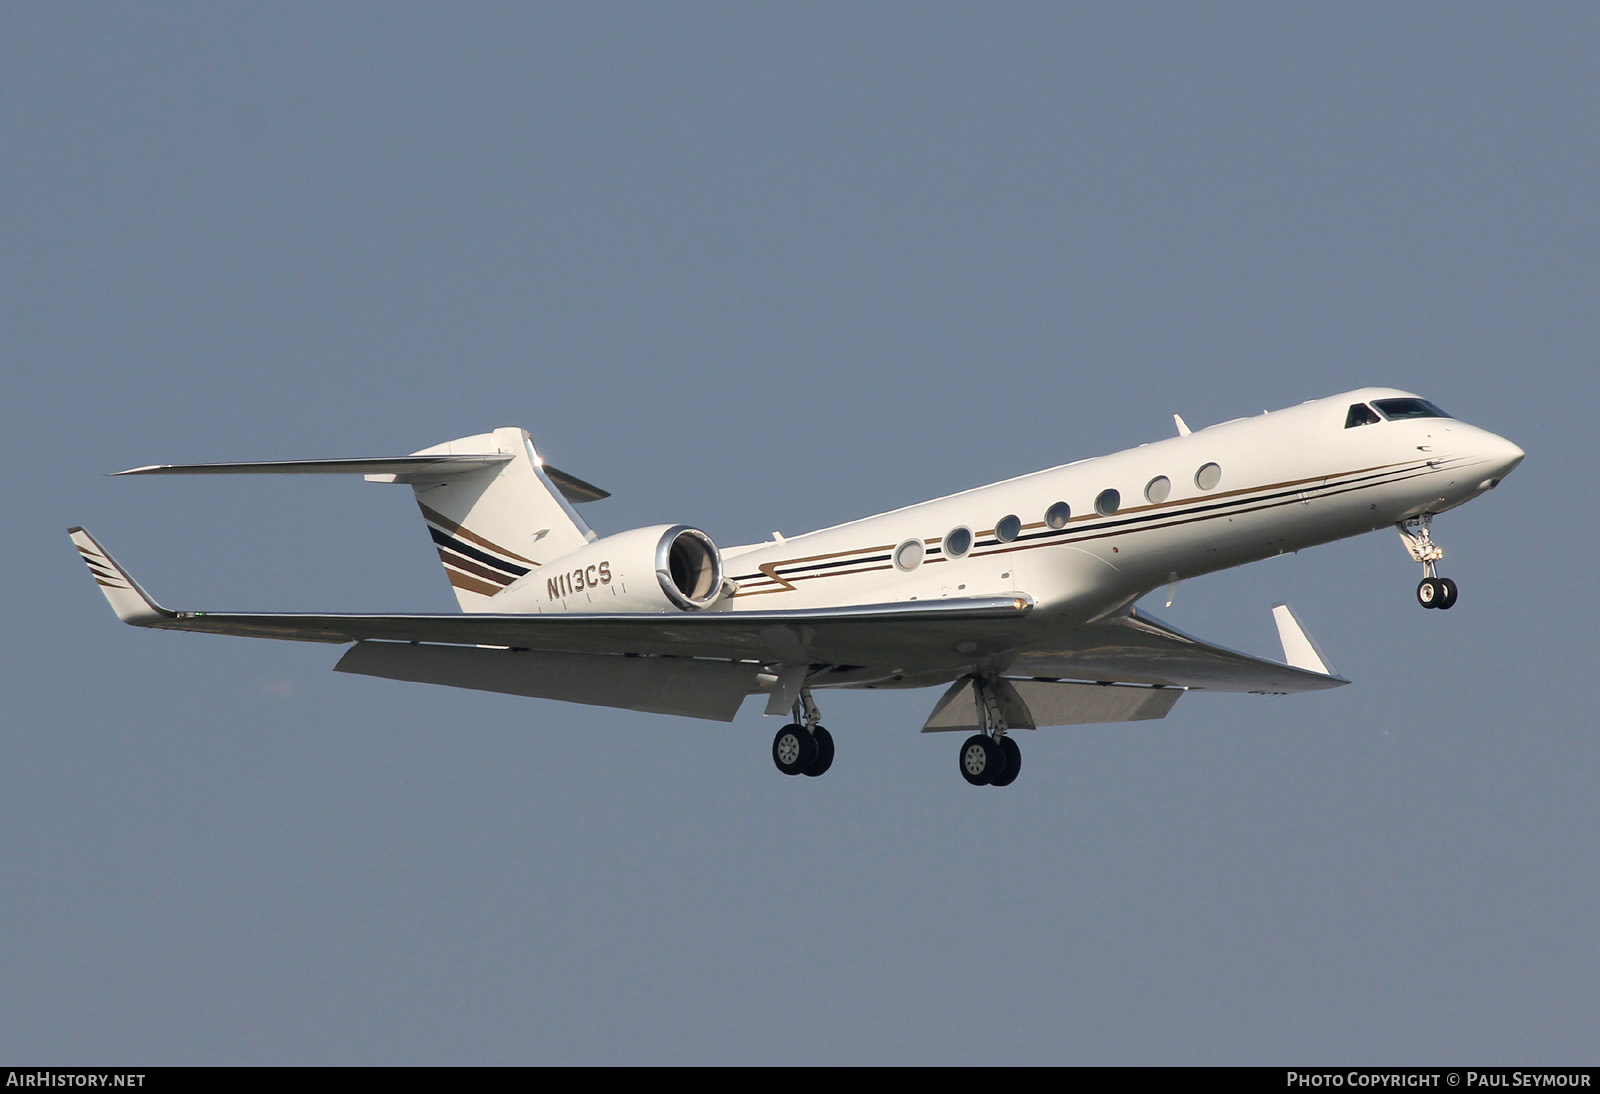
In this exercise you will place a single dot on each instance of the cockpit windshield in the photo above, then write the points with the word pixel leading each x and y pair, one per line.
pixel 1360 414
pixel 1395 409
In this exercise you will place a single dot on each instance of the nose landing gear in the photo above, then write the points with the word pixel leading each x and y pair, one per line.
pixel 1434 591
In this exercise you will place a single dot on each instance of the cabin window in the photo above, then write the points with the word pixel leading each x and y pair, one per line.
pixel 958 542
pixel 1107 503
pixel 1395 409
pixel 1208 476
pixel 1361 414
pixel 908 556
pixel 1007 529
pixel 1057 515
pixel 1157 489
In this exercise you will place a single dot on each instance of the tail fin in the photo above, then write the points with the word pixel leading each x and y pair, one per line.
pixel 494 510
pixel 493 524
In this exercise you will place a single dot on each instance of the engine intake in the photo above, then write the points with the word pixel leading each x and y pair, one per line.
pixel 689 567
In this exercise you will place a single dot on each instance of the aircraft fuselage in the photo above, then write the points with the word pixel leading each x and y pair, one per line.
pixel 1135 520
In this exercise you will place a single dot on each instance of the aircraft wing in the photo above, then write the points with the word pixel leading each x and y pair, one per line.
pixel 862 634
pixel 1140 649
pixel 916 635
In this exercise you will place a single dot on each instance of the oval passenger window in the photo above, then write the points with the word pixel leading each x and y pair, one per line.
pixel 908 556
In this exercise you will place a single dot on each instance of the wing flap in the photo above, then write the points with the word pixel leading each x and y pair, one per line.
pixel 683 686
pixel 1032 703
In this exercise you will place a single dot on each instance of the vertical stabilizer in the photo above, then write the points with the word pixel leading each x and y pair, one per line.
pixel 491 525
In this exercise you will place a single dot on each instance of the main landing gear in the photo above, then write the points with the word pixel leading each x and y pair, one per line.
pixel 1416 534
pixel 803 747
pixel 990 758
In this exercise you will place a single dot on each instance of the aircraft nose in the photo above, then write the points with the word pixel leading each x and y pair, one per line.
pixel 1500 458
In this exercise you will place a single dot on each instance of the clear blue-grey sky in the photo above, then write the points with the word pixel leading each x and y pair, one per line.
pixel 754 267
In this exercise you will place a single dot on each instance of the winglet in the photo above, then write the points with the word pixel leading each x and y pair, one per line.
pixel 1183 426
pixel 1300 650
pixel 128 599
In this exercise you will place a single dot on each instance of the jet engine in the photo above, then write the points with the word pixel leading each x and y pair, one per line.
pixel 660 568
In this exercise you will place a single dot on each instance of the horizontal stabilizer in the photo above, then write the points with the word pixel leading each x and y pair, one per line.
pixel 401 469
pixel 573 488
pixel 691 688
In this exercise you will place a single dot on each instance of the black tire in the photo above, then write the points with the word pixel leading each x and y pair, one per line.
pixel 1429 592
pixel 981 759
pixel 1447 593
pixel 793 749
pixel 824 759
pixel 1013 766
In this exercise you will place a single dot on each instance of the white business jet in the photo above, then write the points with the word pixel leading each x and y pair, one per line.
pixel 1018 596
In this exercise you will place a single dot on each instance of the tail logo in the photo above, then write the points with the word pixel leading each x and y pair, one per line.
pixel 104 575
pixel 473 562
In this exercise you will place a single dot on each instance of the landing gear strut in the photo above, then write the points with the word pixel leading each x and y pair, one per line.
pixel 1416 534
pixel 990 758
pixel 803 747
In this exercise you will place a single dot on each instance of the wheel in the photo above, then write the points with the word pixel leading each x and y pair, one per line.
pixel 1430 592
pixel 981 760
pixel 1447 593
pixel 793 749
pixel 824 759
pixel 1013 766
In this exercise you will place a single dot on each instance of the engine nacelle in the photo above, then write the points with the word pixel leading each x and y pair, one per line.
pixel 668 567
